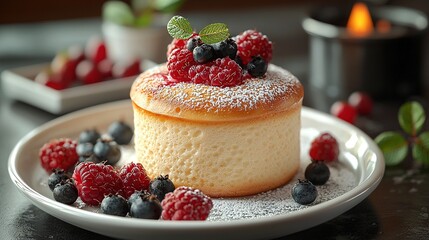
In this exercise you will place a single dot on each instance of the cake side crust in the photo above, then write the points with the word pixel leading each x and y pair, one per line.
pixel 228 159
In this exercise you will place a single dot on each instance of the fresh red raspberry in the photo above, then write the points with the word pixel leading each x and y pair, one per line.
pixel 178 43
pixel 223 72
pixel 186 203
pixel 179 62
pixel 200 73
pixel 175 44
pixel 344 111
pixel 362 102
pixel 324 148
pixel 134 178
pixel 251 44
pixel 58 153
pixel 96 180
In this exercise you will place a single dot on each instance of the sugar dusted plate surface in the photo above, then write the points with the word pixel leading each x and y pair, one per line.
pixel 263 216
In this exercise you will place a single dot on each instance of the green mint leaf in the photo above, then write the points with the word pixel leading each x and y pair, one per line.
pixel 411 117
pixel 213 33
pixel 179 27
pixel 421 148
pixel 394 147
pixel 118 12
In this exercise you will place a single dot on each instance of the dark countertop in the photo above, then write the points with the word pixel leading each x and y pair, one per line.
pixel 397 209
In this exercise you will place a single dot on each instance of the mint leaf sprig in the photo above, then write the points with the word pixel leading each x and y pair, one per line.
pixel 180 28
pixel 395 147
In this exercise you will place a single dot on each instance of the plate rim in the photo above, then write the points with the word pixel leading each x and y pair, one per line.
pixel 348 199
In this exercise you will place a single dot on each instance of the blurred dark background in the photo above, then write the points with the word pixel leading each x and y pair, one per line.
pixel 33 31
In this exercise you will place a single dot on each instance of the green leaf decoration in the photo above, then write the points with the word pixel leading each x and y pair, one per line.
pixel 179 27
pixel 421 148
pixel 394 147
pixel 411 117
pixel 118 12
pixel 213 33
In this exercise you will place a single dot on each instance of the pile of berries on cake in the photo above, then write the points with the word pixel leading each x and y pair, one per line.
pixel 86 169
pixel 223 62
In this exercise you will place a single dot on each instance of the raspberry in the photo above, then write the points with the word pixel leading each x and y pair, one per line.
pixel 344 111
pixel 179 62
pixel 200 73
pixel 186 203
pixel 251 44
pixel 324 148
pixel 96 180
pixel 362 102
pixel 58 153
pixel 178 44
pixel 223 72
pixel 134 178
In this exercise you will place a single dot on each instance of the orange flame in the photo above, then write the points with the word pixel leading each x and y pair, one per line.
pixel 360 21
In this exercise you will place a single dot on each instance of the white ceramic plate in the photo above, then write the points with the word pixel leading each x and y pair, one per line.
pixel 361 163
pixel 19 84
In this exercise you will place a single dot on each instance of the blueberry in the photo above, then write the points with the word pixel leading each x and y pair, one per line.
pixel 107 150
pixel 114 205
pixel 120 132
pixel 90 158
pixel 56 177
pixel 137 195
pixel 227 48
pixel 85 149
pixel 65 192
pixel 193 42
pixel 239 61
pixel 317 173
pixel 90 136
pixel 146 208
pixel 161 186
pixel 257 67
pixel 304 192
pixel 203 53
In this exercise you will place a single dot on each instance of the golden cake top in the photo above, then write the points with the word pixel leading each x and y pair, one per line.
pixel 277 91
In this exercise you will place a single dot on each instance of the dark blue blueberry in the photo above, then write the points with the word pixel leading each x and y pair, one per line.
pixel 114 205
pixel 90 136
pixel 137 195
pixel 120 132
pixel 227 48
pixel 146 208
pixel 193 42
pixel 65 192
pixel 56 177
pixel 90 158
pixel 317 173
pixel 107 150
pixel 257 67
pixel 304 192
pixel 161 186
pixel 85 149
pixel 239 61
pixel 203 53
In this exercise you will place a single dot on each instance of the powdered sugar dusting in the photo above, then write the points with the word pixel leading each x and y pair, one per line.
pixel 279 201
pixel 253 93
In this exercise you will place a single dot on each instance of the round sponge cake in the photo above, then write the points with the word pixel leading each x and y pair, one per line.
pixel 227 142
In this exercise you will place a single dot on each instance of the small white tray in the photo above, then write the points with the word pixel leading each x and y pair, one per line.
pixel 19 84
